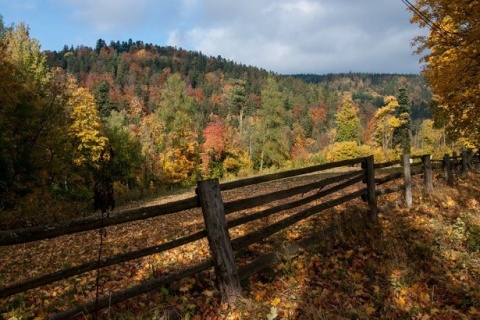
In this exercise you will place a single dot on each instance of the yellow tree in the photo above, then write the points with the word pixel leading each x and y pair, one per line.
pixel 431 140
pixel 26 54
pixel 386 123
pixel 85 129
pixel 452 56
pixel 152 140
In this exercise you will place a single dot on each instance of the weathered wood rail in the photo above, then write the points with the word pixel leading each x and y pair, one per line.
pixel 360 177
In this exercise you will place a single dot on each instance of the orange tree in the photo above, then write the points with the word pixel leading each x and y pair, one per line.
pixel 452 60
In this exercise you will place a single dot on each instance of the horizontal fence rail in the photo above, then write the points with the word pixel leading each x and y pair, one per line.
pixel 288 174
pixel 19 236
pixel 256 201
pixel 267 212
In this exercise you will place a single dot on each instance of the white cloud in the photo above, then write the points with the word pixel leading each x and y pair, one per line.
pixel 107 15
pixel 304 36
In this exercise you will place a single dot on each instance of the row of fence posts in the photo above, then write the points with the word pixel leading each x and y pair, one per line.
pixel 450 166
pixel 407 176
pixel 226 271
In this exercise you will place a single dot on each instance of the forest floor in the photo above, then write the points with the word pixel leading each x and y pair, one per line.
pixel 418 263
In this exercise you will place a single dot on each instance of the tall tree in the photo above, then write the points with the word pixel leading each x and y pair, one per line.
pixel 30 112
pixel 348 122
pixel 451 52
pixel 237 101
pixel 175 109
pixel 85 129
pixel 403 133
pixel 272 131
pixel 102 99
pixel 385 124
pixel 127 150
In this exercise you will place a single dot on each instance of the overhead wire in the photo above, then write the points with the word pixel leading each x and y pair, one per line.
pixel 425 18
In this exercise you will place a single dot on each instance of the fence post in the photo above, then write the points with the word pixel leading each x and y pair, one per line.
pixel 427 173
pixel 407 175
pixel 368 166
pixel 448 169
pixel 454 163
pixel 464 165
pixel 470 158
pixel 226 272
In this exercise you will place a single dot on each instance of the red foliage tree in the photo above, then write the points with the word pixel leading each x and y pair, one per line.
pixel 215 136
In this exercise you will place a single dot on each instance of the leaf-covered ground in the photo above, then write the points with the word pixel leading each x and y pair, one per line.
pixel 419 263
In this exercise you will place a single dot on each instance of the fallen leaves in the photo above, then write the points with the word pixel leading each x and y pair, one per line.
pixel 416 264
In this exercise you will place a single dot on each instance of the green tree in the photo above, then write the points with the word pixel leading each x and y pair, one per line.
pixel 127 151
pixel 237 101
pixel 25 53
pixel 102 99
pixel 348 122
pixel 272 132
pixel 402 134
pixel 3 28
pixel 30 115
pixel 175 109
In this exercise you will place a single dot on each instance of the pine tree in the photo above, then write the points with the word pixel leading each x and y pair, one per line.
pixel 402 134
pixel 271 133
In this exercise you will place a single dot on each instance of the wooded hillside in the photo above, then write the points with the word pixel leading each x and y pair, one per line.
pixel 170 117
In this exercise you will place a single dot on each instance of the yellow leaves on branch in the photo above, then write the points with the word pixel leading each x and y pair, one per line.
pixel 386 123
pixel 452 61
pixel 179 162
pixel 85 128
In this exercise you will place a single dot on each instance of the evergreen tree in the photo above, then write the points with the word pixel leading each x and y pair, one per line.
pixel 102 99
pixel 273 141
pixel 402 134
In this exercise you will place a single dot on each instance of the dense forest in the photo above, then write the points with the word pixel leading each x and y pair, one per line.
pixel 148 118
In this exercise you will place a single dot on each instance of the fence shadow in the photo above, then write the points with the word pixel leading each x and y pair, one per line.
pixel 412 264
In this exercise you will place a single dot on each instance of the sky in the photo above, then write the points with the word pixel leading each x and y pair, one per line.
pixel 283 36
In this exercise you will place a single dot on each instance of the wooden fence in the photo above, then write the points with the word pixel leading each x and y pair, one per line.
pixel 359 181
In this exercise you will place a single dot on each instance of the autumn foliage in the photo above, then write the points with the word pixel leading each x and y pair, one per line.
pixel 452 61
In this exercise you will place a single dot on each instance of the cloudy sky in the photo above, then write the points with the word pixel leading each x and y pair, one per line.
pixel 284 36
